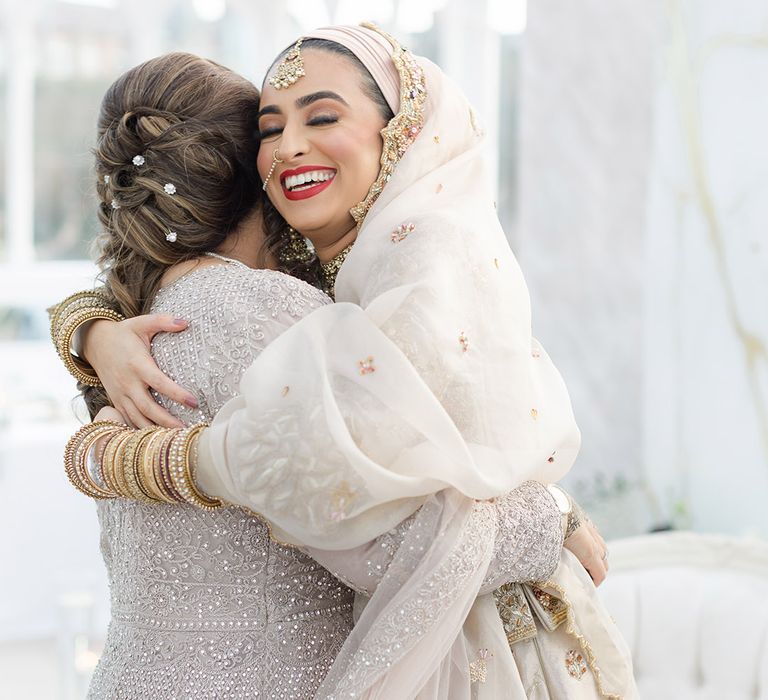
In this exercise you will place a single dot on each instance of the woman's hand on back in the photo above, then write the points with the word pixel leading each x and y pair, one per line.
pixel 120 354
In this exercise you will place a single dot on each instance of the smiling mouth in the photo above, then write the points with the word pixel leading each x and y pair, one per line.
pixel 303 181
pixel 302 185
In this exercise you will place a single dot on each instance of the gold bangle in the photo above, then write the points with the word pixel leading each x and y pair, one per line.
pixel 117 465
pixel 78 470
pixel 181 471
pixel 77 367
pixel 109 459
pixel 58 312
pixel 76 451
pixel 162 468
pixel 147 457
pixel 128 466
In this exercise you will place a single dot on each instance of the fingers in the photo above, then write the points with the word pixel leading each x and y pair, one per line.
pixel 109 413
pixel 153 413
pixel 151 324
pixel 589 547
pixel 598 572
pixel 603 547
pixel 167 387
pixel 133 416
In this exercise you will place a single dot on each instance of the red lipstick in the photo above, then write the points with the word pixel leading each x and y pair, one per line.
pixel 305 192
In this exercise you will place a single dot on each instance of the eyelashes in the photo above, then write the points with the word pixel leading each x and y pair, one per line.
pixel 320 120
pixel 323 119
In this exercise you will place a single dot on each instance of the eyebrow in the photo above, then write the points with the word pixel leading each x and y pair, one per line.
pixel 305 101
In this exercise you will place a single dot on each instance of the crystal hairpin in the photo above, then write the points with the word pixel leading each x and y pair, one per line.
pixel 171 236
pixel 169 188
pixel 290 69
pixel 138 160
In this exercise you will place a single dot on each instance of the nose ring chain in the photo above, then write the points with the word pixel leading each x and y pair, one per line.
pixel 275 161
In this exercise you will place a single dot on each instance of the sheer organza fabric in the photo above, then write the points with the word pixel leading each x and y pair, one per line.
pixel 421 388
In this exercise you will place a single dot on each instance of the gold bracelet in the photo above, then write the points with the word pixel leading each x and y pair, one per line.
pixel 162 474
pixel 180 469
pixel 78 368
pixel 109 459
pixel 78 468
pixel 72 304
pixel 117 468
pixel 59 312
pixel 75 454
pixel 148 456
pixel 128 466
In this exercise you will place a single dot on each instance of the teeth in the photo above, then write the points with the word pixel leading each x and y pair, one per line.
pixel 312 177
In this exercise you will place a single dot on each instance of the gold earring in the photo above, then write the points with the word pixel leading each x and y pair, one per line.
pixel 275 161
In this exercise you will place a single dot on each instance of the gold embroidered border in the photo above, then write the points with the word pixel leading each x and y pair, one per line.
pixel 403 128
pixel 585 645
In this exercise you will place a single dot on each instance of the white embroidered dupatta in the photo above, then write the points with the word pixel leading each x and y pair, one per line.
pixel 421 386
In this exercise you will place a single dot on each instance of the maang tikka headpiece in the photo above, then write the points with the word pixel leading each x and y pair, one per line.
pixel 290 69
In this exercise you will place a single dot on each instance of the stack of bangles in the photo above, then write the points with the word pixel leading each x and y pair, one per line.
pixel 70 315
pixel 154 465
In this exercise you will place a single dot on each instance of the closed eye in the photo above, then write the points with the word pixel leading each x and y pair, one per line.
pixel 323 119
pixel 267 133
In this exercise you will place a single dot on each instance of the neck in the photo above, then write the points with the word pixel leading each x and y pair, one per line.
pixel 247 244
pixel 328 252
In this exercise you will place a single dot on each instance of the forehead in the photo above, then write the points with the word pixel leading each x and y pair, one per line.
pixel 323 71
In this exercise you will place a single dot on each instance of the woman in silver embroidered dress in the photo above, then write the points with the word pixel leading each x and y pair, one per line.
pixel 204 604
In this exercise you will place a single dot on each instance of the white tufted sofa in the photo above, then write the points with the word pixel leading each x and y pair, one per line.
pixel 694 611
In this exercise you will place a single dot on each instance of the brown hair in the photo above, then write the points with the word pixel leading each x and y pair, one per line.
pixel 193 124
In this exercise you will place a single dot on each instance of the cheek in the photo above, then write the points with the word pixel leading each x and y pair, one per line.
pixel 360 150
pixel 264 161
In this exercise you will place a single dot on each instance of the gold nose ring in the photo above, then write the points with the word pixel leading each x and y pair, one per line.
pixel 275 161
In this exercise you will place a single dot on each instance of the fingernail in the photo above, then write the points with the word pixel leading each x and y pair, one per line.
pixel 192 402
pixel 180 321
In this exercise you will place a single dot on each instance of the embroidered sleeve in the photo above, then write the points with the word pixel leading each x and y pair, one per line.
pixel 529 540
pixel 527 547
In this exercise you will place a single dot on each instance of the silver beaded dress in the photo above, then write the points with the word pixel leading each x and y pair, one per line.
pixel 204 604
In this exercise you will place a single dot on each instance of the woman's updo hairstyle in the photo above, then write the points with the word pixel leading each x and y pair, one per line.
pixel 175 167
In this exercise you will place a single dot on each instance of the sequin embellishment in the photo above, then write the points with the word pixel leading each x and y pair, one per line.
pixel 366 366
pixel 515 613
pixel 401 232
pixel 478 669
pixel 575 664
